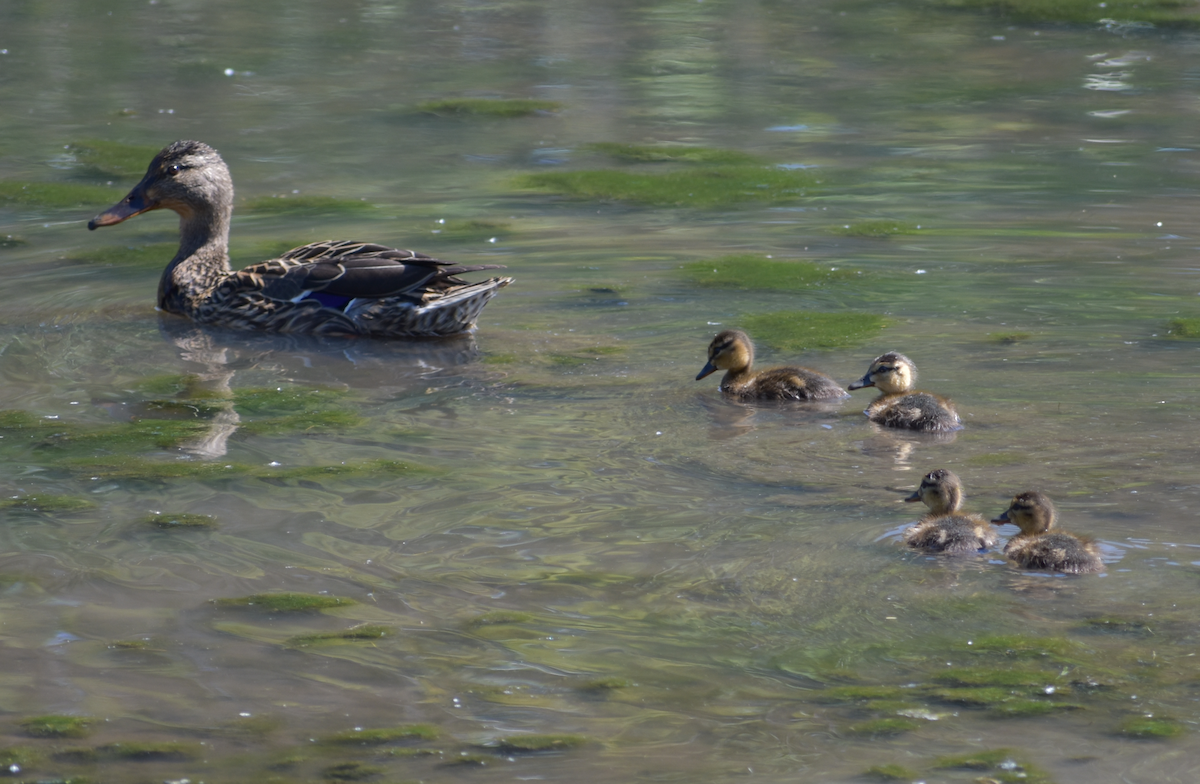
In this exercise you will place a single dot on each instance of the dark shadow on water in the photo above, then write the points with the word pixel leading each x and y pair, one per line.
pixel 730 418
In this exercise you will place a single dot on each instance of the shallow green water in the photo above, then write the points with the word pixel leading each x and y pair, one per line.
pixel 550 528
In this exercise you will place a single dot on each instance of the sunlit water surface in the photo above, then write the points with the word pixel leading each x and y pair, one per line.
pixel 559 530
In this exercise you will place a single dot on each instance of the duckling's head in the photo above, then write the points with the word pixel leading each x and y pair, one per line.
pixel 1030 511
pixel 187 177
pixel 730 350
pixel 890 373
pixel 940 490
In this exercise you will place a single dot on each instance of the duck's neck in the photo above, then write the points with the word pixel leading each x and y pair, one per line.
pixel 733 380
pixel 201 262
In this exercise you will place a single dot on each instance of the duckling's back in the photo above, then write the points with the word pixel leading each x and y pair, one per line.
pixel 914 411
pixel 787 383
pixel 1057 552
pixel 954 534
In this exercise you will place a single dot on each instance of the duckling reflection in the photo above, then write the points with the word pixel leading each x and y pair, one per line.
pixel 894 374
pixel 945 529
pixel 1037 547
pixel 733 352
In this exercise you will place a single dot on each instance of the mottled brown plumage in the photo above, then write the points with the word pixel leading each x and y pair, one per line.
pixel 894 374
pixel 326 288
pixel 1037 547
pixel 944 529
pixel 733 352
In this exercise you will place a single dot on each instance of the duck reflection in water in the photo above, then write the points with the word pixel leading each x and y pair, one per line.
pixel 212 357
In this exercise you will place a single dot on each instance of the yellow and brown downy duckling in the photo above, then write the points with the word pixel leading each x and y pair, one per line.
pixel 733 352
pixel 1037 547
pixel 945 529
pixel 894 374
pixel 326 288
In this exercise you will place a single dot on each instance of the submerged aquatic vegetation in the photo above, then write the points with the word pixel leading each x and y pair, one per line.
pixel 804 330
pixel 56 194
pixel 1009 338
pixel 701 187
pixel 997 677
pixel 1003 764
pixel 48 503
pixel 124 438
pixel 855 693
pixel 351 771
pixel 891 773
pixel 498 617
pixel 1184 328
pixel 1056 649
pixel 875 228
pixel 112 159
pixel 1151 728
pixel 528 744
pixel 381 736
pixel 22 757
pixel 364 632
pixel 285 602
pixel 488 107
pixel 149 751
pixel 673 153
pixel 748 271
pixel 55 726
pixel 179 521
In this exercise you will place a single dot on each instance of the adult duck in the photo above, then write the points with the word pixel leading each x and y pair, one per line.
pixel 733 352
pixel 894 375
pixel 326 288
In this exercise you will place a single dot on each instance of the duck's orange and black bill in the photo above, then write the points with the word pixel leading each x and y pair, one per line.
pixel 134 204
pixel 708 370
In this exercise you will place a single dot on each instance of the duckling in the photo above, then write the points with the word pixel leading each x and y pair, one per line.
pixel 894 374
pixel 945 529
pixel 733 352
pixel 1038 548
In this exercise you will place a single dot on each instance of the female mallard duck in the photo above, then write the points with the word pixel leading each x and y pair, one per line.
pixel 327 288
pixel 1036 547
pixel 944 529
pixel 894 374
pixel 733 352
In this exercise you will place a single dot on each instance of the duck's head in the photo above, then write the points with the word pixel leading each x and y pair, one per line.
pixel 940 490
pixel 1030 511
pixel 730 350
pixel 187 177
pixel 890 373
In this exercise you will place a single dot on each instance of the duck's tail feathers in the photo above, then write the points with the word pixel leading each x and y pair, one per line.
pixel 453 313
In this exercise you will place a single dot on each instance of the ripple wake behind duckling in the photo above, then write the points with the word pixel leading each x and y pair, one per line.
pixel 945 529
pixel 326 288
pixel 1037 546
pixel 733 352
pixel 894 375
